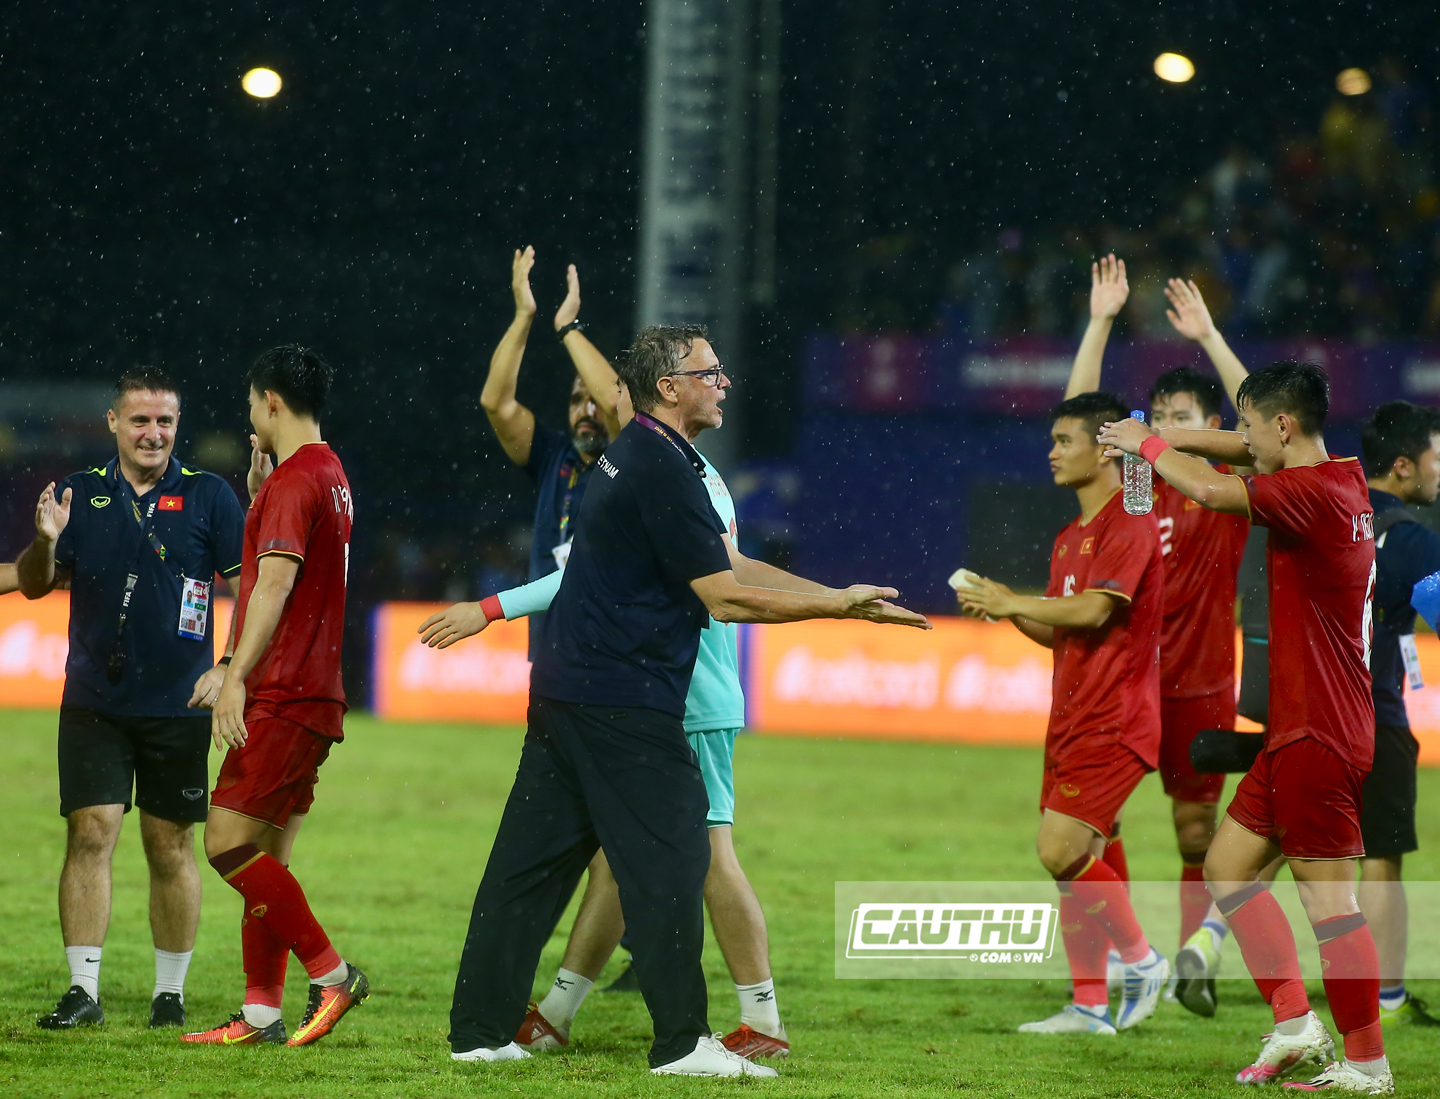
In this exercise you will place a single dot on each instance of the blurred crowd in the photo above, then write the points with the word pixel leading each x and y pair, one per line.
pixel 1331 230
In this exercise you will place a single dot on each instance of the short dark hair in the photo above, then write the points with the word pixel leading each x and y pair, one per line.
pixel 298 376
pixel 1097 407
pixel 657 351
pixel 1186 379
pixel 1398 429
pixel 1301 389
pixel 144 379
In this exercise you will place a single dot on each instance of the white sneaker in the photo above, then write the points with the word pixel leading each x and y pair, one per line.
pixel 512 1052
pixel 710 1058
pixel 1073 1020
pixel 1282 1052
pixel 1197 965
pixel 1114 971
pixel 1144 982
pixel 1347 1076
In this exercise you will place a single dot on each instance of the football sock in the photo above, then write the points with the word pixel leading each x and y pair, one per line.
pixel 1194 896
pixel 1115 855
pixel 266 959
pixel 170 972
pixel 85 968
pixel 1393 998
pixel 1086 947
pixel 1104 898
pixel 562 1002
pixel 758 1009
pixel 1268 946
pixel 273 896
pixel 260 1015
pixel 1352 983
pixel 335 976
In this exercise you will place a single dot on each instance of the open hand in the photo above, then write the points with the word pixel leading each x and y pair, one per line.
pixel 261 466
pixel 986 598
pixel 1124 436
pixel 1188 313
pixel 1108 288
pixel 51 515
pixel 872 604
pixel 570 307
pixel 227 715
pixel 207 688
pixel 444 628
pixel 520 281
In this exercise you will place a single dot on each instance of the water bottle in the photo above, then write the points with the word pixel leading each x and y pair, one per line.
pixel 1139 489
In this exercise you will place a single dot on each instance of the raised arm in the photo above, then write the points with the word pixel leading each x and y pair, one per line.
pixel 730 601
pixel 1191 319
pixel 36 571
pixel 514 424
pixel 1191 474
pixel 597 373
pixel 1108 291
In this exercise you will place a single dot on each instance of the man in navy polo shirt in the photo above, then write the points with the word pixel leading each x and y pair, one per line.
pixel 139 542
pixel 606 761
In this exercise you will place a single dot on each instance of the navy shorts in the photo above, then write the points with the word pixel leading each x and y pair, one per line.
pixel 163 761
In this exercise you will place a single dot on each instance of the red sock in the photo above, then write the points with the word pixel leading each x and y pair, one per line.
pixel 273 896
pixel 1103 896
pixel 1352 983
pixel 265 960
pixel 1194 899
pixel 1086 946
pixel 1115 856
pixel 1268 946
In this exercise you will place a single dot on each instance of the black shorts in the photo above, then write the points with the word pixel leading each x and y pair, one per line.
pixel 164 760
pixel 1387 814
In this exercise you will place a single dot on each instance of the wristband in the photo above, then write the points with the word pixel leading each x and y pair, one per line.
pixel 491 606
pixel 573 326
pixel 1152 448
pixel 224 661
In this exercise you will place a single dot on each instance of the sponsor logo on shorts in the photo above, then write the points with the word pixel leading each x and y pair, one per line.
pixel 99 501
pixel 1020 932
pixel 193 793
pixel 1069 789
pixel 259 911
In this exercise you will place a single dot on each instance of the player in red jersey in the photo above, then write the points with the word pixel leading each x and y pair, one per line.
pixel 1101 616
pixel 1301 799
pixel 282 703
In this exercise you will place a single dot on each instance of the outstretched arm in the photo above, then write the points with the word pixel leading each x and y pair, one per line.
pixel 455 623
pixel 757 574
pixel 730 601
pixel 514 424
pixel 1035 616
pixel 597 373
pixel 1108 291
pixel 1192 475
pixel 9 579
pixel 1191 319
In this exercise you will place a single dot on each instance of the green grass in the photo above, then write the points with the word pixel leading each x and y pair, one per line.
pixel 390 859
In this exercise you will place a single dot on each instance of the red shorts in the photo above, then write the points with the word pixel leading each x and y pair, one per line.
pixel 1092 787
pixel 1180 720
pixel 275 774
pixel 1305 798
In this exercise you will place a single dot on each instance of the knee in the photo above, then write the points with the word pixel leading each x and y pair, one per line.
pixel 1194 825
pixel 1056 857
pixel 90 835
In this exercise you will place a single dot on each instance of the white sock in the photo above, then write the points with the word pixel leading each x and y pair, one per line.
pixel 170 972
pixel 259 1015
pixel 1377 1067
pixel 1293 1026
pixel 758 1009
pixel 334 977
pixel 1393 997
pixel 85 968
pixel 562 1002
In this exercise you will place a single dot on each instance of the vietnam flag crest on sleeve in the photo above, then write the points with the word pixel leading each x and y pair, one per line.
pixel 172 503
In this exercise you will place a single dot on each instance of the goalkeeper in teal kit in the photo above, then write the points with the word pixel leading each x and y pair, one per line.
pixel 714 713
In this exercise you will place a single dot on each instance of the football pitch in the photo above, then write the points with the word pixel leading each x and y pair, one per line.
pixel 391 856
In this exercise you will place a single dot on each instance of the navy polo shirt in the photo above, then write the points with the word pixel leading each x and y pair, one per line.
pixel 624 628
pixel 553 464
pixel 1404 555
pixel 202 527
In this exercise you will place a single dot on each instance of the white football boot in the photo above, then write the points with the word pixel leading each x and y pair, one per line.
pixel 1348 1076
pixel 512 1052
pixel 710 1058
pixel 1283 1052
pixel 1073 1020
pixel 1144 981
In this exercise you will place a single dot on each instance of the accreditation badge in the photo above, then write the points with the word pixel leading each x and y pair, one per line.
pixel 1411 656
pixel 194 609
pixel 561 553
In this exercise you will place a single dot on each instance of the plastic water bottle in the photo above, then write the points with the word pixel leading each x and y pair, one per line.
pixel 1139 488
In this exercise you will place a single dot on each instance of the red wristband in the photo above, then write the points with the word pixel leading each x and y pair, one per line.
pixel 1152 448
pixel 491 606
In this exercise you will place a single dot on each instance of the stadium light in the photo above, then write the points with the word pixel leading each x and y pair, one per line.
pixel 1353 82
pixel 1175 68
pixel 261 83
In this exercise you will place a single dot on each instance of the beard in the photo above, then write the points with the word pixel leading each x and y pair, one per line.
pixel 590 444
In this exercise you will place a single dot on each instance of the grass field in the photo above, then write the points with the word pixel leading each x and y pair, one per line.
pixel 395 847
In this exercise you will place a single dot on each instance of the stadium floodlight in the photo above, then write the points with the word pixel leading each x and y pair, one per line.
pixel 261 83
pixel 1174 68
pixel 1353 82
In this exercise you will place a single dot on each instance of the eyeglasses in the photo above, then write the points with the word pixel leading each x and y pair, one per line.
pixel 709 377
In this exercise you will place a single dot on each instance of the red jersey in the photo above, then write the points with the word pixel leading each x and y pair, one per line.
pixel 1201 550
pixel 1320 558
pixel 303 511
pixel 1107 681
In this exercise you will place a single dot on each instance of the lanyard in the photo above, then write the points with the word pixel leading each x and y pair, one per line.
pixel 572 471
pixel 688 452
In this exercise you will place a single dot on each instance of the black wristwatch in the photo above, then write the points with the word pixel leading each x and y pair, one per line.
pixel 224 661
pixel 573 326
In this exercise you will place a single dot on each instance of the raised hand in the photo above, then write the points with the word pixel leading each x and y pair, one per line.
pixel 1108 288
pixel 1188 313
pixel 261 466
pixel 1124 437
pixel 520 281
pixel 570 307
pixel 455 623
pixel 51 515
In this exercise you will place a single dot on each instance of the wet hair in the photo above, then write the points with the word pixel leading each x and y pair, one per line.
pixel 298 376
pixel 1097 407
pixel 1300 389
pixel 143 379
pixel 1186 379
pixel 657 351
pixel 1398 429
